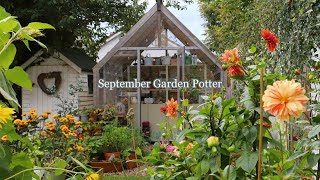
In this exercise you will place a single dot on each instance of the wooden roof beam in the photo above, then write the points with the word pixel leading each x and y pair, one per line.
pixel 156 48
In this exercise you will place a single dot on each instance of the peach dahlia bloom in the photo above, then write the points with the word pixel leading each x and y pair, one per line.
pixel 231 58
pixel 284 99
pixel 172 107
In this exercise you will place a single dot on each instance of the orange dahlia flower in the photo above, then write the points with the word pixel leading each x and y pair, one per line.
pixel 172 107
pixel 270 38
pixel 231 58
pixel 284 99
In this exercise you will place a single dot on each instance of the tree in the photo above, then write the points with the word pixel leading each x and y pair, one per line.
pixel 239 22
pixel 84 24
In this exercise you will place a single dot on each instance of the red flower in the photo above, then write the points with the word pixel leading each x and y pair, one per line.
pixel 231 58
pixel 163 109
pixel 267 125
pixel 270 38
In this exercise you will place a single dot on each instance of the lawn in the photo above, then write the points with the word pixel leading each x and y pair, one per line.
pixel 126 177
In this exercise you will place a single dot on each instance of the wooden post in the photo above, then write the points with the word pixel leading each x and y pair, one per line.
pixel 139 89
pixel 261 123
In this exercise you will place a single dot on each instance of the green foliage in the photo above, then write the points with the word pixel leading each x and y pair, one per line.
pixel 116 139
pixel 237 23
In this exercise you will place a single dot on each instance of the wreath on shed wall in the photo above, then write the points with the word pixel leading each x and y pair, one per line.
pixel 57 82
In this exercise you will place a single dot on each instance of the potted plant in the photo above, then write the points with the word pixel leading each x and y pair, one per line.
pixel 115 140
pixel 109 112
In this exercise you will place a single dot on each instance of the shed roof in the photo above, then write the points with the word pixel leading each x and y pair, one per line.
pixel 143 33
pixel 74 57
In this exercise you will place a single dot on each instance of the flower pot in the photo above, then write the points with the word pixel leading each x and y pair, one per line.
pixel 108 166
pixel 107 155
pixel 165 60
pixel 130 164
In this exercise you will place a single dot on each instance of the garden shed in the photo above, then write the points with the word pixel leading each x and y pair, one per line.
pixel 57 73
pixel 188 59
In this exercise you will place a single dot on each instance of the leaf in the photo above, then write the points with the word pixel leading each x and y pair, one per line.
pixel 185 102
pixel 39 25
pixel 205 166
pixel 250 133
pixel 296 155
pixel 18 76
pixel 21 159
pixel 7 56
pixel 248 161
pixel 253 49
pixel 179 121
pixel 26 42
pixel 192 178
pixel 7 96
pixel 8 24
pixel 229 173
pixel 314 131
pixel 59 163
pixel 313 159
pixel 138 151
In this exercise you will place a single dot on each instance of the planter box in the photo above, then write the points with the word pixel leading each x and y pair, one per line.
pixel 132 165
pixel 108 166
pixel 107 155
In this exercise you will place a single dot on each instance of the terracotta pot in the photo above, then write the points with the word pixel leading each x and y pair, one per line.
pixel 107 155
pixel 132 165
pixel 108 166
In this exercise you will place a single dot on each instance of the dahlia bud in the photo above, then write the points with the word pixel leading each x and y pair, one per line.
pixel 297 72
pixel 213 141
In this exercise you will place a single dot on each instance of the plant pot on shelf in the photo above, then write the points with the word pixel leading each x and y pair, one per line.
pixel 165 60
pixel 108 166
pixel 131 164
pixel 107 155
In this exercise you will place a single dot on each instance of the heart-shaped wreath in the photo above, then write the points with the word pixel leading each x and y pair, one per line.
pixel 57 82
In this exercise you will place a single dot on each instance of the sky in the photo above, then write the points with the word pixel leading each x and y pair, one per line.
pixel 190 17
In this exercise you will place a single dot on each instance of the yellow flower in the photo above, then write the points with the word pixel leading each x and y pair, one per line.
pixel 172 107
pixel 4 138
pixel 44 115
pixel 63 119
pixel 48 112
pixel 5 114
pixel 55 116
pixel 17 122
pixel 93 176
pixel 72 134
pixel 284 99
pixel 66 135
pixel 69 149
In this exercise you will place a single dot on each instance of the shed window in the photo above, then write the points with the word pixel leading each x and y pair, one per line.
pixel 90 84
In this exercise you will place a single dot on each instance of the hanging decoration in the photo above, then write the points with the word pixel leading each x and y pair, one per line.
pixel 50 75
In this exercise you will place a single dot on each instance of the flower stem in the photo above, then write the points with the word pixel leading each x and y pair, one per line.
pixel 261 123
pixel 44 168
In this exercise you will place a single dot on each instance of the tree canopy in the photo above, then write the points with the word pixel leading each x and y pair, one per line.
pixel 237 23
pixel 84 24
